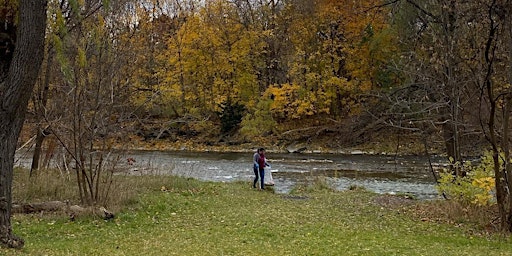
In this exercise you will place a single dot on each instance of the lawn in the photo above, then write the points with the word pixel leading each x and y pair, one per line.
pixel 205 218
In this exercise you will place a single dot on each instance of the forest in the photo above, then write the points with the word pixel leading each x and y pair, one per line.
pixel 214 71
pixel 272 73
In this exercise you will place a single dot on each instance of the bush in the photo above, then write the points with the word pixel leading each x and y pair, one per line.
pixel 477 187
pixel 259 123
pixel 230 116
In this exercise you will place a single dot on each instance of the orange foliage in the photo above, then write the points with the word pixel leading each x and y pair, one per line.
pixel 310 58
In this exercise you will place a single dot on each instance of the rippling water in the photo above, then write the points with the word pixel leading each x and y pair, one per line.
pixel 382 174
pixel 378 173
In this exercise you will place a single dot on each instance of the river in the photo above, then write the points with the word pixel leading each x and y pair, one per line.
pixel 378 173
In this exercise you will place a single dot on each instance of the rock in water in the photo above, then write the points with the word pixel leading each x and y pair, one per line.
pixel 296 148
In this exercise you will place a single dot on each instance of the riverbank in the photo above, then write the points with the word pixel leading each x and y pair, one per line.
pixel 379 145
pixel 176 216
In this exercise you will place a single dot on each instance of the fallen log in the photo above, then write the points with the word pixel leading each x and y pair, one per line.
pixel 51 206
pixel 59 206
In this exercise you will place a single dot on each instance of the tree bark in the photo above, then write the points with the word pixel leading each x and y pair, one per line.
pixel 15 92
pixel 40 107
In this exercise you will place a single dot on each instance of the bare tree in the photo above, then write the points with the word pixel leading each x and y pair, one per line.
pixel 89 96
pixel 436 72
pixel 457 54
pixel 496 99
pixel 42 92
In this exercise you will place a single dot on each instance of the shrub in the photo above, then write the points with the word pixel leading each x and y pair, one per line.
pixel 477 187
pixel 230 115
pixel 260 122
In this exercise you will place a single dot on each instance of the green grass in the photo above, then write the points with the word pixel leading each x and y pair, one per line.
pixel 196 218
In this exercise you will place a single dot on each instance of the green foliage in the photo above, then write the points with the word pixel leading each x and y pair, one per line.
pixel 106 4
pixel 81 58
pixel 230 115
pixel 383 52
pixel 76 7
pixel 477 187
pixel 260 122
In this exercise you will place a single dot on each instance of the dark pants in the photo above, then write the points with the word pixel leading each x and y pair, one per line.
pixel 261 174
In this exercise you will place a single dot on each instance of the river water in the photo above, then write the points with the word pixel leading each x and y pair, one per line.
pixel 378 173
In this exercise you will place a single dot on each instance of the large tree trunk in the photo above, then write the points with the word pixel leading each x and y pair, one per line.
pixel 15 91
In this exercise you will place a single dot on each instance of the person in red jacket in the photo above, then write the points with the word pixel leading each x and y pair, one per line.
pixel 260 162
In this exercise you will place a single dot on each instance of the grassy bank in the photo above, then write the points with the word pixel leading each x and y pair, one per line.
pixel 175 216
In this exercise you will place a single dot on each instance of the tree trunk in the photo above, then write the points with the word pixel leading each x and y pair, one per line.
pixel 451 138
pixel 15 92
pixel 506 121
pixel 40 107
pixel 507 167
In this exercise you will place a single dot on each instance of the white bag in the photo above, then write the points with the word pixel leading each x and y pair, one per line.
pixel 269 181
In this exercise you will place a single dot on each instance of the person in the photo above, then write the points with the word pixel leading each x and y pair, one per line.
pixel 256 166
pixel 259 163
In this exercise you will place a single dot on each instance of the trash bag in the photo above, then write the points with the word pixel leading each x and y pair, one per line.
pixel 269 181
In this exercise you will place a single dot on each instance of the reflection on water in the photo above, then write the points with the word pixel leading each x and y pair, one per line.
pixel 379 173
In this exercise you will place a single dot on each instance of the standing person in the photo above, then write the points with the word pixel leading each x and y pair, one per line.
pixel 256 166
pixel 262 163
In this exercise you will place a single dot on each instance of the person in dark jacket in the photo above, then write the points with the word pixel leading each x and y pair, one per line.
pixel 256 166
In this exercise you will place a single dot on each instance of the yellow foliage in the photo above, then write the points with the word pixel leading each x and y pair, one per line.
pixel 291 101
pixel 477 187
pixel 81 59
pixel 339 48
pixel 487 184
pixel 326 55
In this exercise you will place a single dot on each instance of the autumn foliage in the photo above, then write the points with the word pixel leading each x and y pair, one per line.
pixel 230 72
pixel 308 59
